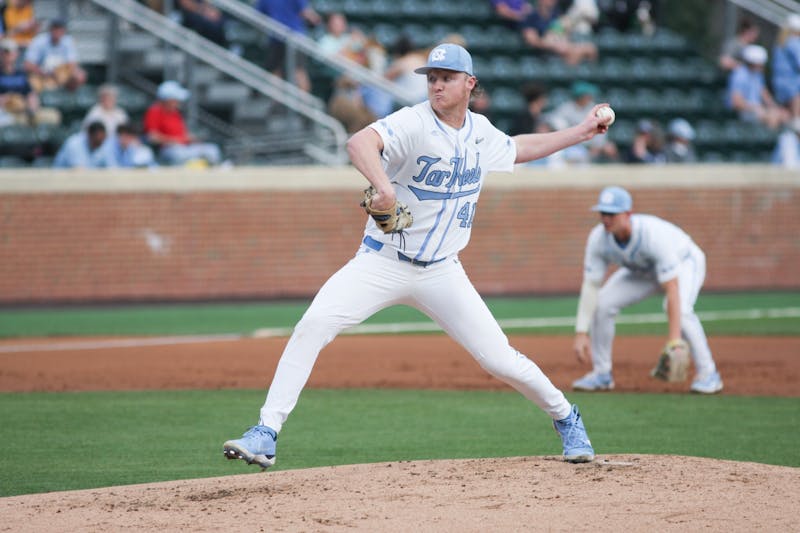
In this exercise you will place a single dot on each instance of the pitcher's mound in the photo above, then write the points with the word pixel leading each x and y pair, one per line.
pixel 615 493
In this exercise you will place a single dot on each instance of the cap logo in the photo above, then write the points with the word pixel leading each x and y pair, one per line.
pixel 607 198
pixel 438 54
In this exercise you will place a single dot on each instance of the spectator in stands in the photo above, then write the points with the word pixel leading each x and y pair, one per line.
pixel 626 15
pixel 129 150
pixel 51 60
pixel 340 39
pixel 204 18
pixel 294 14
pixel 787 149
pixel 786 66
pixel 378 101
pixel 544 30
pixel 407 58
pixel 165 128
pixel 680 136
pixel 106 109
pixel 19 20
pixel 647 145
pixel 748 94
pixel 19 103
pixel 747 33
pixel 528 121
pixel 512 12
pixel 600 148
pixel 86 149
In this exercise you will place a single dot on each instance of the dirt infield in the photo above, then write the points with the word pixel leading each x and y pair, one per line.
pixel 750 366
pixel 631 492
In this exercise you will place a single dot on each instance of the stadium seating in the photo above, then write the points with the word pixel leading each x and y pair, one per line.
pixel 659 77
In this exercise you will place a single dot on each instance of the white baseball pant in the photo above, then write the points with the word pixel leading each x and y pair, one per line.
pixel 374 280
pixel 625 288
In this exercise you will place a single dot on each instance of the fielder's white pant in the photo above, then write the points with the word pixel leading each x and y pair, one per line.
pixel 625 288
pixel 374 280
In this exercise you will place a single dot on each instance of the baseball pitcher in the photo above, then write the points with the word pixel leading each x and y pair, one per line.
pixel 425 166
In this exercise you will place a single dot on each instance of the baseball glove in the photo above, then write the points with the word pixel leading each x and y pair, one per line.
pixel 673 363
pixel 392 220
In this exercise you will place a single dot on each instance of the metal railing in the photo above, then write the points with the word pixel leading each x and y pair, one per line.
pixel 253 76
pixel 774 11
pixel 309 47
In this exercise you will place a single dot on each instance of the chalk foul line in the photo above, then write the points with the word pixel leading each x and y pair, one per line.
pixel 371 329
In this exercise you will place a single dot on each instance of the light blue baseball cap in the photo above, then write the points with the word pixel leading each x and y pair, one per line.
pixel 448 56
pixel 172 90
pixel 613 200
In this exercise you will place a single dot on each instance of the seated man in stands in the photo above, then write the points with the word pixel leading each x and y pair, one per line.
pixel 19 103
pixel 545 29
pixel 202 17
pixel 165 128
pixel 748 94
pixel 51 60
pixel 86 149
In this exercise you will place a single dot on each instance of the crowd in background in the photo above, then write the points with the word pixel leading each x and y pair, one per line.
pixel 38 56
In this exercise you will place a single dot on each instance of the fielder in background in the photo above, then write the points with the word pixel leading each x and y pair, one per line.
pixel 652 255
pixel 430 159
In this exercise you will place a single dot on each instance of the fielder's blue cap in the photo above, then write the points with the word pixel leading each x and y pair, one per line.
pixel 613 200
pixel 448 56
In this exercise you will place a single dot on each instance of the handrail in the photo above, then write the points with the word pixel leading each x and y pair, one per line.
pixel 239 68
pixel 355 71
pixel 775 11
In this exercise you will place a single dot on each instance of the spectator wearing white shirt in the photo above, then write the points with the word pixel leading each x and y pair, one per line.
pixel 787 150
pixel 106 109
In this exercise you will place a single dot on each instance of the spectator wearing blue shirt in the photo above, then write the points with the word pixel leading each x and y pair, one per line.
pixel 51 60
pixel 19 103
pixel 294 14
pixel 786 66
pixel 512 12
pixel 129 150
pixel 748 94
pixel 87 149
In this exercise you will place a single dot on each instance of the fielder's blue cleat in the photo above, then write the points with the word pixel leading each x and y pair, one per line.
pixel 707 384
pixel 577 447
pixel 594 381
pixel 257 445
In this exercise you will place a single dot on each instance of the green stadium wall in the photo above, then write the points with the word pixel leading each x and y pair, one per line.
pixel 275 232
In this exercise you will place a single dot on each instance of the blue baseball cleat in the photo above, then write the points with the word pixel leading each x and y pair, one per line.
pixel 594 381
pixel 577 447
pixel 257 445
pixel 707 384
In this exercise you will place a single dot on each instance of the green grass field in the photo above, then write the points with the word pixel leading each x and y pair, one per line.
pixel 196 319
pixel 75 441
pixel 63 441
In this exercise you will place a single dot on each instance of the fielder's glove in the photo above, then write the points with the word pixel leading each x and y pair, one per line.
pixel 392 220
pixel 673 363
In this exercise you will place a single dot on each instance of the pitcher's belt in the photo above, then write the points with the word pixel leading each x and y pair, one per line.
pixel 376 245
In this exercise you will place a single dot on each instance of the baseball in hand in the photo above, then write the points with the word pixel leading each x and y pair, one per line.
pixel 606 115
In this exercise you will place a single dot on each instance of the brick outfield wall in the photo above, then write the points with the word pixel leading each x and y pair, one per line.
pixel 104 246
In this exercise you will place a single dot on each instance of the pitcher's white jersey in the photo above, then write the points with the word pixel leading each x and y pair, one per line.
pixel 438 172
pixel 656 249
